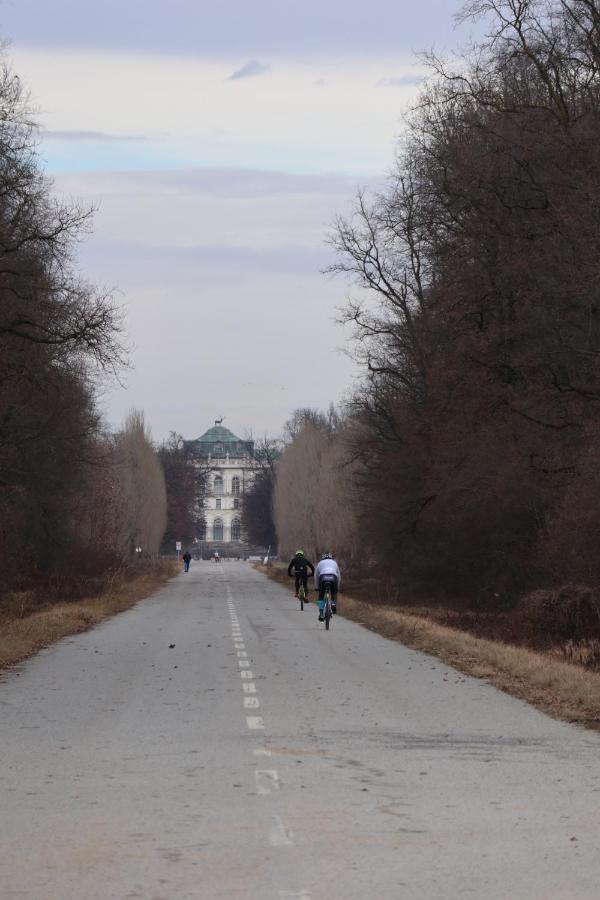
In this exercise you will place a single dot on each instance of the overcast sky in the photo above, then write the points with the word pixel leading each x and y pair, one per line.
pixel 219 141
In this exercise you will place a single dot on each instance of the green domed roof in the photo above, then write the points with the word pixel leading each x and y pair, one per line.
pixel 218 434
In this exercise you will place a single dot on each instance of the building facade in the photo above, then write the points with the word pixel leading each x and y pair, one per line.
pixel 230 464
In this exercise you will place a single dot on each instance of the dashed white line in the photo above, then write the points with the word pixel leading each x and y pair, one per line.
pixel 267 781
pixel 255 722
pixel 251 702
pixel 246 673
pixel 280 836
pixel 249 687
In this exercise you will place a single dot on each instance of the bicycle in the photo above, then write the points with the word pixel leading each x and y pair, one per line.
pixel 327 611
pixel 302 596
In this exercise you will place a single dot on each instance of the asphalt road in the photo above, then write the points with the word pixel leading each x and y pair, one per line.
pixel 261 757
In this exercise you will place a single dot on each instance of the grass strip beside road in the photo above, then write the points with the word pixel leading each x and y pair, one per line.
pixel 563 690
pixel 23 636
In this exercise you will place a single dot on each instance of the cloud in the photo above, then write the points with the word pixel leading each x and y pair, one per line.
pixel 249 70
pixel 401 81
pixel 51 134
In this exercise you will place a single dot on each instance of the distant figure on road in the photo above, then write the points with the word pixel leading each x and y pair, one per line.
pixel 300 565
pixel 327 572
pixel 217 557
pixel 186 561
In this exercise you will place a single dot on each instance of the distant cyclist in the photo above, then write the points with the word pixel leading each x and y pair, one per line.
pixel 298 569
pixel 327 573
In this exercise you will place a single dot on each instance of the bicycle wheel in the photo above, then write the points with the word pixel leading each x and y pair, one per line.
pixel 327 609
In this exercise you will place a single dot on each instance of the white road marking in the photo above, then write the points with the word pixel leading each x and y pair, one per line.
pixel 280 836
pixel 249 687
pixel 267 781
pixel 243 663
pixel 254 722
pixel 242 654
pixel 251 702
pixel 262 751
pixel 246 674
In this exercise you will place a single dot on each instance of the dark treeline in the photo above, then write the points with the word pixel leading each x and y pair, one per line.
pixel 74 500
pixel 472 450
pixel 257 509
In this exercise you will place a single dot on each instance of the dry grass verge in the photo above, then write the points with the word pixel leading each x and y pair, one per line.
pixel 561 689
pixel 22 636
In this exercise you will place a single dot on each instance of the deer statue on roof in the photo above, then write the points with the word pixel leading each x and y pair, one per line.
pixel 219 421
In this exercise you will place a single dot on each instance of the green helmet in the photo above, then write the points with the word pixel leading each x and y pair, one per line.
pixel 299 552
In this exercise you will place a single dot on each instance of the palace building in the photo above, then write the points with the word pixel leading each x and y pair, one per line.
pixel 231 465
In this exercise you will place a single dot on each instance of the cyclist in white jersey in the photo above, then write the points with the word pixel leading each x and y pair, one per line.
pixel 327 572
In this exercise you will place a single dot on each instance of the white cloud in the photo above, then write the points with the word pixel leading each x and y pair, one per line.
pixel 216 268
pixel 400 81
pixel 283 122
pixel 99 136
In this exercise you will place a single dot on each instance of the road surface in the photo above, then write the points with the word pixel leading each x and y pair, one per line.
pixel 261 757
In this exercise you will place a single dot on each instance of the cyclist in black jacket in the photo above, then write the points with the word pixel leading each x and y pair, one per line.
pixel 300 566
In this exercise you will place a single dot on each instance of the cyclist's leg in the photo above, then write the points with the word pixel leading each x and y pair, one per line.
pixel 296 583
pixel 321 598
pixel 305 584
pixel 334 593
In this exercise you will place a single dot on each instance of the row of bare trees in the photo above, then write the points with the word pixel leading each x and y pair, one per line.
pixel 470 454
pixel 314 498
pixel 69 493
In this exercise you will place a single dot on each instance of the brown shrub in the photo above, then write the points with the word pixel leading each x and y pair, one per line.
pixel 570 612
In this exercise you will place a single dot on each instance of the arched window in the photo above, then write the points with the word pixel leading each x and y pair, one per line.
pixel 236 503
pixel 236 530
pixel 235 485
pixel 218 530
pixel 218 483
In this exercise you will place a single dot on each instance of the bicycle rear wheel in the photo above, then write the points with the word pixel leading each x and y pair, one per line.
pixel 301 596
pixel 327 611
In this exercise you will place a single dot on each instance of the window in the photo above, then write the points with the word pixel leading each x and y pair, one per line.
pixel 218 484
pixel 235 485
pixel 218 503
pixel 218 530
pixel 236 503
pixel 236 530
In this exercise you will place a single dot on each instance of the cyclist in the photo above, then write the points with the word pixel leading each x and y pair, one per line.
pixel 300 565
pixel 327 572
